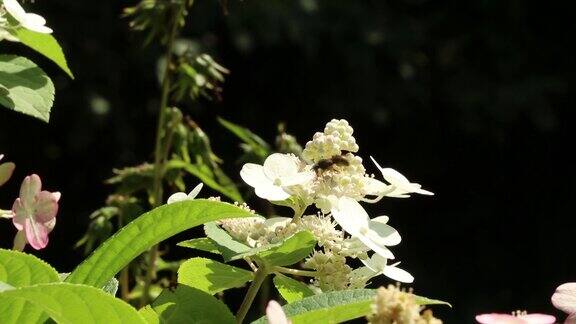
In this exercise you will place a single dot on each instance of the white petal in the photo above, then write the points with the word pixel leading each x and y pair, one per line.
pixel 179 196
pixel 253 174
pixel 275 314
pixel 376 263
pixel 350 216
pixel 381 219
pixel 374 187
pixel 393 177
pixel 386 234
pixel 272 193
pixel 195 191
pixel 398 274
pixel 16 10
pixel 565 297
pixel 377 248
pixel 280 165
pixel 298 178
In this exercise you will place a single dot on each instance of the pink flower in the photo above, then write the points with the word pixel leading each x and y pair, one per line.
pixel 515 318
pixel 6 170
pixel 275 313
pixel 565 300
pixel 34 213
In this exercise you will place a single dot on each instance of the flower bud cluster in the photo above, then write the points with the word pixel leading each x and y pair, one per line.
pixel 393 305
pixel 337 137
pixel 332 271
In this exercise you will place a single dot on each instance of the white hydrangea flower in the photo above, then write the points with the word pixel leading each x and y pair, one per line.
pixel 280 171
pixel 180 196
pixel 378 265
pixel 402 187
pixel 29 21
pixel 375 233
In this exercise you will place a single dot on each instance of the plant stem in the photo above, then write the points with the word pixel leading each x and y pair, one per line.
pixel 259 277
pixel 159 159
pixel 295 272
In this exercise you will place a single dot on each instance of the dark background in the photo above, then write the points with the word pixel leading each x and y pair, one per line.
pixel 473 99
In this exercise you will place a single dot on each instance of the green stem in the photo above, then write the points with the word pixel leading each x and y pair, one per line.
pixel 259 277
pixel 295 272
pixel 159 159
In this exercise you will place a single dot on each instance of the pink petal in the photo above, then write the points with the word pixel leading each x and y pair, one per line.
pixel 46 207
pixel 571 319
pixel 29 189
pixel 36 234
pixel 538 318
pixel 565 297
pixel 498 319
pixel 19 212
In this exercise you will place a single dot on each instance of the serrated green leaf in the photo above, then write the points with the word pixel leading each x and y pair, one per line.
pixel 225 243
pixel 144 232
pixel 335 307
pixel 190 305
pixel 291 290
pixel 203 244
pixel 46 45
pixel 292 250
pixel 24 87
pixel 149 315
pixel 20 269
pixel 65 303
pixel 212 276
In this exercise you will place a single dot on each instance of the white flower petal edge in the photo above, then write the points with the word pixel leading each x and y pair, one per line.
pixel 275 314
pixel 402 185
pixel 378 265
pixel 354 220
pixel 29 21
pixel 565 298
pixel 278 172
pixel 180 196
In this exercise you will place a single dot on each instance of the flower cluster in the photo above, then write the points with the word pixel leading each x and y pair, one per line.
pixel 393 305
pixel 331 177
pixel 11 9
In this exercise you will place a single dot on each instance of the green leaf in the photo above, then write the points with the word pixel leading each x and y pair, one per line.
pixel 65 303
pixel 335 307
pixel 290 289
pixel 190 305
pixel 427 301
pixel 144 232
pixel 212 276
pixel 290 251
pixel 225 243
pixel 257 145
pixel 202 244
pixel 149 315
pixel 24 87
pixel 46 45
pixel 20 269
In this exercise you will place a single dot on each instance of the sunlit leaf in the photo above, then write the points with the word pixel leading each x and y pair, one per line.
pixel 203 244
pixel 46 45
pixel 144 232
pixel 24 87
pixel 291 290
pixel 65 303
pixel 190 305
pixel 212 276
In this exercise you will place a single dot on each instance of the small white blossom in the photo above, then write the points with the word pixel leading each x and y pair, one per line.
pixel 402 187
pixel 29 21
pixel 275 314
pixel 180 196
pixel 378 265
pixel 375 233
pixel 337 137
pixel 271 180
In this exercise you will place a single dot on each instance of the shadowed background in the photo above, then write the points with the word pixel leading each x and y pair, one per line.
pixel 472 99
